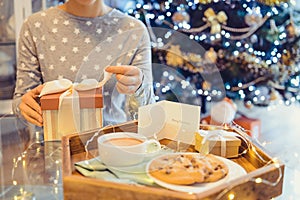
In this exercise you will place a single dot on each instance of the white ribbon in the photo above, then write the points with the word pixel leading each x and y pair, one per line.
pixel 69 105
pixel 218 135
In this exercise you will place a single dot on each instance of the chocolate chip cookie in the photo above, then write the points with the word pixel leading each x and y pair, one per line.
pixel 188 168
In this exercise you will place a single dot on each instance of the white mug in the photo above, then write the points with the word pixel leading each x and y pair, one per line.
pixel 125 148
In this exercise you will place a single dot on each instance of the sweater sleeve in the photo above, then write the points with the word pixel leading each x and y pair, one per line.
pixel 28 74
pixel 144 95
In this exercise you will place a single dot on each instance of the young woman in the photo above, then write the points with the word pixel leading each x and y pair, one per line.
pixel 77 40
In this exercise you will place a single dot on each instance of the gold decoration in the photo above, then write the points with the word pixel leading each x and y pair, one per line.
pixel 174 56
pixel 272 2
pixel 181 17
pixel 206 85
pixel 215 20
pixel 195 58
pixel 253 18
pixel 203 1
pixel 211 56
pixel 291 30
pixel 273 95
pixel 286 58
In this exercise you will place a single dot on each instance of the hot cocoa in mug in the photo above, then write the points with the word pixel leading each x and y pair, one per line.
pixel 125 148
pixel 123 141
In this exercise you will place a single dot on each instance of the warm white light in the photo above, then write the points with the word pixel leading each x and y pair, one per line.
pixel 275 11
pixel 258 180
pixel 295 81
pixel 231 196
pixel 251 88
pixel 146 6
pixel 236 53
pixel 275 59
pixel 257 92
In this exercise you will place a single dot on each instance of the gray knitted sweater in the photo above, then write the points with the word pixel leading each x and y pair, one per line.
pixel 54 44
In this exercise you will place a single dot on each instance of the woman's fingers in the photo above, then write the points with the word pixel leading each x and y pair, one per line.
pixel 33 118
pixel 129 78
pixel 30 108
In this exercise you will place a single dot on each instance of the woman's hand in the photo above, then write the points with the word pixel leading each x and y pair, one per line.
pixel 129 78
pixel 30 108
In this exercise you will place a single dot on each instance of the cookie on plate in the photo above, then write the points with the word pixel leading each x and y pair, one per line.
pixel 188 168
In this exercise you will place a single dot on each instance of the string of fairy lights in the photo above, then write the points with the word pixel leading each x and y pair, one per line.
pixel 253 44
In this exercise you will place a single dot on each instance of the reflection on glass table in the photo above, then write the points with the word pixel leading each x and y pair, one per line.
pixel 30 167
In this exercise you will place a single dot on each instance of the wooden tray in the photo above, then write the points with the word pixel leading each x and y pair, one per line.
pixel 259 166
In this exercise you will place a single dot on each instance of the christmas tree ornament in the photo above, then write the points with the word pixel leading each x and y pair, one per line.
pixel 215 20
pixel 211 56
pixel 273 33
pixel 286 58
pixel 181 17
pixel 274 95
pixel 223 111
pixel 254 38
pixel 205 1
pixel 254 17
pixel 174 56
pixel 291 30
pixel 248 104
pixel 206 85
pixel 272 2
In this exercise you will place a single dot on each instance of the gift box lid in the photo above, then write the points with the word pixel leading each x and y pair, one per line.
pixel 88 99
pixel 215 137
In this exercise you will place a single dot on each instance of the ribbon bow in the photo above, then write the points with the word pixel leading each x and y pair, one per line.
pixel 215 20
pixel 69 106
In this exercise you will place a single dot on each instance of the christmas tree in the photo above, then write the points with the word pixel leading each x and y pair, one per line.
pixel 246 50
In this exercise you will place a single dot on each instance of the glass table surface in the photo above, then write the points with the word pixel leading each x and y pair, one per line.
pixel 30 167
